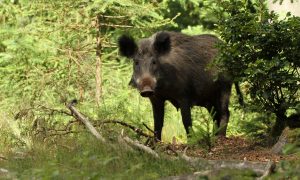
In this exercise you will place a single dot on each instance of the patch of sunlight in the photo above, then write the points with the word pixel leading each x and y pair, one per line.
pixel 10 127
pixel 173 126
pixel 285 7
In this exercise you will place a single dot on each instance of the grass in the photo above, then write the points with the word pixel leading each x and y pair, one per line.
pixel 85 158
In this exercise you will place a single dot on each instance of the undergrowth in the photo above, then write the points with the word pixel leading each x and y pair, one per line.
pixel 83 157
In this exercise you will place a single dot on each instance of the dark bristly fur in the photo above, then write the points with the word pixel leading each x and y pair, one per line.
pixel 162 43
pixel 174 67
pixel 127 46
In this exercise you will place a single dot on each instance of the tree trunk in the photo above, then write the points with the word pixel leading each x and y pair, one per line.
pixel 282 141
pixel 98 73
pixel 98 80
pixel 279 125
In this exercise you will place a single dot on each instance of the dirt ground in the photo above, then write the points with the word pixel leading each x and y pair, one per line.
pixel 235 148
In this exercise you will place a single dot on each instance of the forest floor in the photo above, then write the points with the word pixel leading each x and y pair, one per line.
pixel 236 148
pixel 83 157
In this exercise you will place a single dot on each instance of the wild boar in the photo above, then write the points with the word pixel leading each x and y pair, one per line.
pixel 171 66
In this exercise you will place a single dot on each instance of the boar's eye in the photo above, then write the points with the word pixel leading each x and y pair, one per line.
pixel 136 63
pixel 153 62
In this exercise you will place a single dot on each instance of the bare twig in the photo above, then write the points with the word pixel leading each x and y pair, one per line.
pixel 78 116
pixel 115 25
pixel 135 129
pixel 70 123
pixel 149 129
pixel 55 110
pixel 63 133
pixel 141 146
pixel 113 17
pixel 85 121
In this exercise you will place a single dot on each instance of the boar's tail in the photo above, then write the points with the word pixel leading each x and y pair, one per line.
pixel 239 93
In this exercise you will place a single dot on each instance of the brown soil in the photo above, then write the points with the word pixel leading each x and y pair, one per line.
pixel 235 148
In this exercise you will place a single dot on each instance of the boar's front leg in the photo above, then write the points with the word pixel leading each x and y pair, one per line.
pixel 158 107
pixel 185 109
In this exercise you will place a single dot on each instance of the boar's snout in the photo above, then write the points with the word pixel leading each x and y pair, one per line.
pixel 147 91
pixel 146 86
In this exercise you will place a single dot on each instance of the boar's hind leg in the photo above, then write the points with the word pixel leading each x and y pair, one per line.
pixel 185 109
pixel 158 107
pixel 222 114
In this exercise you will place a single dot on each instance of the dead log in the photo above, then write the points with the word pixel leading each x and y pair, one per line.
pixel 260 168
pixel 270 168
pixel 213 169
pixel 77 115
pixel 193 176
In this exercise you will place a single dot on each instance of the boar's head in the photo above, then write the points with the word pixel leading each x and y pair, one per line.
pixel 146 60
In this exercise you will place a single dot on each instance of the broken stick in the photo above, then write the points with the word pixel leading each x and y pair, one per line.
pixel 77 115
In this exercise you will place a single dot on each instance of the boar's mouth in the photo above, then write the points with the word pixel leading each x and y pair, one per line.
pixel 147 91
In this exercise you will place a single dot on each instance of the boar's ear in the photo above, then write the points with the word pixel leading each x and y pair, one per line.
pixel 162 43
pixel 127 46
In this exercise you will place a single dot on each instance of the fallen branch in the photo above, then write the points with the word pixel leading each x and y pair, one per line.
pixel 124 143
pixel 141 146
pixel 52 111
pixel 196 175
pixel 270 168
pixel 77 115
pixel 135 129
pixel 260 168
pixel 50 132
pixel 193 176
pixel 148 128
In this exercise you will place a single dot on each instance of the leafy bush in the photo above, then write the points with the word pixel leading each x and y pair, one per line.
pixel 263 51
